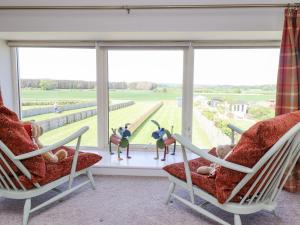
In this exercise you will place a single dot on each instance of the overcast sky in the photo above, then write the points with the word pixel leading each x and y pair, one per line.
pixel 212 66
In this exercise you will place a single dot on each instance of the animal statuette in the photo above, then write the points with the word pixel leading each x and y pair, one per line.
pixel 120 139
pixel 163 139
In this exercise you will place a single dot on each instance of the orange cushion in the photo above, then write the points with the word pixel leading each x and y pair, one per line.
pixel 254 143
pixel 203 181
pixel 15 137
pixel 55 171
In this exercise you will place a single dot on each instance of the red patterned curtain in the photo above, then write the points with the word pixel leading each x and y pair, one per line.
pixel 1 100
pixel 288 81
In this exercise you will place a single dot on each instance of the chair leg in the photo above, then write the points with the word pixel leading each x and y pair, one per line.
pixel 237 219
pixel 91 178
pixel 170 191
pixel 27 207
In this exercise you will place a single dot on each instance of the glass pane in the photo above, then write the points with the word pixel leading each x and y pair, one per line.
pixel 234 86
pixel 58 91
pixel 147 86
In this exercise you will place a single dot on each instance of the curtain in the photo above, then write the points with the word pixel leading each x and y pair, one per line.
pixel 1 100
pixel 288 81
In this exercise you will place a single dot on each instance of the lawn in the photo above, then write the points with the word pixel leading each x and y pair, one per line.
pixel 169 114
pixel 117 118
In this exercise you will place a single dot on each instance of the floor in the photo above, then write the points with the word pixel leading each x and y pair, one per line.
pixel 120 200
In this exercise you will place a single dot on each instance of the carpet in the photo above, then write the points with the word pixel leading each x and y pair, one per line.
pixel 135 201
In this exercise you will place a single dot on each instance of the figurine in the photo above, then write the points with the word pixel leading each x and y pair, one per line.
pixel 163 139
pixel 120 139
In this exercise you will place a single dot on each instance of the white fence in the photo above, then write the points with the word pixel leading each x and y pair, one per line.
pixel 60 121
pixel 50 109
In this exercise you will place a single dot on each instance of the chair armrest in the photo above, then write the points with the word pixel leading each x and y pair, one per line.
pixel 188 145
pixel 41 151
pixel 235 129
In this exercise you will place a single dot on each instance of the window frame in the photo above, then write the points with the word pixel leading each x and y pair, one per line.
pixel 102 48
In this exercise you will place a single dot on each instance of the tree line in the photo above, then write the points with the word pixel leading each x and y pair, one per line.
pixel 48 84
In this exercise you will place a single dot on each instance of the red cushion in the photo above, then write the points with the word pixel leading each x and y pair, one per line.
pixel 254 143
pixel 15 137
pixel 55 171
pixel 203 181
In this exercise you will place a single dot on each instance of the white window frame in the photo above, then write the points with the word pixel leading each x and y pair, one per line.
pixel 102 48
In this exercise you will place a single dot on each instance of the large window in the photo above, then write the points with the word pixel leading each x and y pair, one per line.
pixel 58 91
pixel 231 85
pixel 234 86
pixel 146 84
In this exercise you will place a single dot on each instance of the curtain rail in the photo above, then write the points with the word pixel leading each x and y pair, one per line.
pixel 149 7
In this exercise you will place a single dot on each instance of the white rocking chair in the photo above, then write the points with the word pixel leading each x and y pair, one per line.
pixel 265 196
pixel 8 189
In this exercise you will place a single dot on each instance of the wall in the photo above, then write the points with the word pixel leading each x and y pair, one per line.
pixel 188 24
pixel 5 75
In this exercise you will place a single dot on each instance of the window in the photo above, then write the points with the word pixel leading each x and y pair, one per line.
pixel 145 85
pixel 234 86
pixel 58 91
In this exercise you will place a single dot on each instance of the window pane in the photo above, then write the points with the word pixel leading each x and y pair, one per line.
pixel 58 91
pixel 234 86
pixel 147 85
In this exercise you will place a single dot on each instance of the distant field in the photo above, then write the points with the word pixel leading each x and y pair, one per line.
pixel 169 114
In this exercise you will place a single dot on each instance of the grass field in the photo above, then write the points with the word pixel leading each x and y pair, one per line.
pixel 169 114
pixel 117 118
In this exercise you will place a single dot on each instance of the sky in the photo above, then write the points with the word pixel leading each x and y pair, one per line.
pixel 212 66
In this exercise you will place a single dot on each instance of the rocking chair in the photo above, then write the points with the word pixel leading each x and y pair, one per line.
pixel 269 175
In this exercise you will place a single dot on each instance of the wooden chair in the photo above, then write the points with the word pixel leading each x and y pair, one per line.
pixel 276 166
pixel 11 186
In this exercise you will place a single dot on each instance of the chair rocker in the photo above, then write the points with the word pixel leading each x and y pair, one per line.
pixel 11 186
pixel 276 165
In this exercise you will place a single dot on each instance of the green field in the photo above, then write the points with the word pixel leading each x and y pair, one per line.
pixel 169 114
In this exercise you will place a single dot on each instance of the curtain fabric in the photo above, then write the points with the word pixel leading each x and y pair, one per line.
pixel 288 81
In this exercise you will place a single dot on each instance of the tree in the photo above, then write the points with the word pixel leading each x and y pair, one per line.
pixel 47 85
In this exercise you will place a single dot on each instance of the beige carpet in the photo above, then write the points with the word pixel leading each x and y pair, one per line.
pixel 134 201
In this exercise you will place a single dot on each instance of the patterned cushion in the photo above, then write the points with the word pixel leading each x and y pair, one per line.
pixel 203 181
pixel 15 137
pixel 254 143
pixel 55 171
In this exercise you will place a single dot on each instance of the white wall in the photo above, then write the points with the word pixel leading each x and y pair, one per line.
pixel 258 23
pixel 5 75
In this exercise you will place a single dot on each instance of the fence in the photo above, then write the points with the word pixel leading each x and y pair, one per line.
pixel 215 135
pixel 57 122
pixel 50 109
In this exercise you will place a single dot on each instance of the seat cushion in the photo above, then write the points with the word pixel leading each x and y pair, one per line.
pixel 254 143
pixel 205 182
pixel 15 137
pixel 55 171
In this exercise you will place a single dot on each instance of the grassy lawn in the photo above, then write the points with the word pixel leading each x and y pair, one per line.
pixel 90 138
pixel 58 94
pixel 200 137
pixel 169 114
